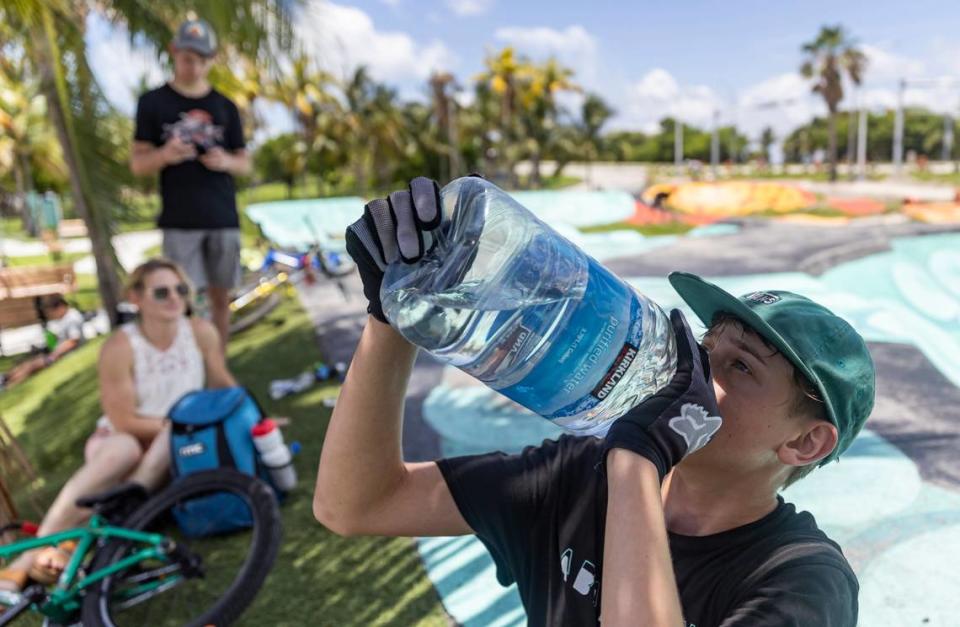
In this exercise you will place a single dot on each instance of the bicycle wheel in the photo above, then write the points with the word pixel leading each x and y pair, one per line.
pixel 205 581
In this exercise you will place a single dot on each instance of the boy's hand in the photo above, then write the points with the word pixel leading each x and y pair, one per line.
pixel 398 227
pixel 177 151
pixel 216 159
pixel 680 418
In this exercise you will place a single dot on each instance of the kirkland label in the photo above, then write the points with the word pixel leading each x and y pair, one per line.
pixel 614 372
pixel 619 368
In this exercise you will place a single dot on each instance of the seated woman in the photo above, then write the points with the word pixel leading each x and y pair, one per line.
pixel 144 368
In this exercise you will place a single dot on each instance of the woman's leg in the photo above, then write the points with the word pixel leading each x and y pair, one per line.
pixel 153 471
pixel 109 458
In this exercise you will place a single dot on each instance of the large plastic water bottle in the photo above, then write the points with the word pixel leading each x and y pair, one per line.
pixel 506 299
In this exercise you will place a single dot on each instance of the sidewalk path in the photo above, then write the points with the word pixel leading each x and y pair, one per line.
pixel 131 250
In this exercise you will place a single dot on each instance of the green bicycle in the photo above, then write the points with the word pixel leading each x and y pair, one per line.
pixel 145 571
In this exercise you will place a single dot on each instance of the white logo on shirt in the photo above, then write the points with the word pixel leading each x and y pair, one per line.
pixel 585 578
pixel 565 558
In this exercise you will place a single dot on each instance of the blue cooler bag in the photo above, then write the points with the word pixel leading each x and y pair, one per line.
pixel 211 429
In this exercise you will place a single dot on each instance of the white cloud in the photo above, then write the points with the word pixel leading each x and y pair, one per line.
pixel 469 7
pixel 573 46
pixel 545 40
pixel 658 95
pixel 883 65
pixel 781 102
pixel 341 38
pixel 118 66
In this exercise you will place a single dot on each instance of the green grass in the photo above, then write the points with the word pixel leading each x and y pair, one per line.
pixel 44 260
pixel 13 227
pixel 669 228
pixel 550 182
pixel 318 578
pixel 87 297
pixel 952 178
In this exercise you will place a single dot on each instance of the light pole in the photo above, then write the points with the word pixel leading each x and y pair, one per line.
pixel 947 138
pixel 862 145
pixel 678 146
pixel 898 117
pixel 898 130
pixel 715 144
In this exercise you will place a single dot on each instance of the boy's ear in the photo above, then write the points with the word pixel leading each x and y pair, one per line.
pixel 814 443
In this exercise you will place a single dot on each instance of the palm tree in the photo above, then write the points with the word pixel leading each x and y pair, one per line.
pixel 375 128
pixel 385 134
pixel 305 91
pixel 830 57
pixel 594 114
pixel 499 85
pixel 445 114
pixel 538 89
pixel 767 139
pixel 241 80
pixel 27 141
pixel 51 33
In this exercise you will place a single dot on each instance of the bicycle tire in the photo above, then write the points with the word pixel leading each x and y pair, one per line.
pixel 260 557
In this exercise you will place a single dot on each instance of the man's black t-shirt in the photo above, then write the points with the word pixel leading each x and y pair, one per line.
pixel 541 515
pixel 193 196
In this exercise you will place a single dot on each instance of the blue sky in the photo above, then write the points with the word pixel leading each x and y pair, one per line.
pixel 690 59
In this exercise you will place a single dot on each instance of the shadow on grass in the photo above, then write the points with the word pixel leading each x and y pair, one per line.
pixel 318 578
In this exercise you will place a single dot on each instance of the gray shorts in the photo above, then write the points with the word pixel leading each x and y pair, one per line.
pixel 211 257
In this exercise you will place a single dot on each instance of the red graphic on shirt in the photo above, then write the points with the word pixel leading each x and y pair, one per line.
pixel 195 127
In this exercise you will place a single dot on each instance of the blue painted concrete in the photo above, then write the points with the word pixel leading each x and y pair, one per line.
pixel 901 534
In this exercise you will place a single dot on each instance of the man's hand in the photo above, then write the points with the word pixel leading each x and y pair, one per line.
pixel 177 151
pixel 398 227
pixel 217 159
pixel 680 418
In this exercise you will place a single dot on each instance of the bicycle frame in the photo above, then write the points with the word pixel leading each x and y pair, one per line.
pixel 64 600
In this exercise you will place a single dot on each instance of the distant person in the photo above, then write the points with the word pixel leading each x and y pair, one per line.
pixel 192 135
pixel 64 332
pixel 145 367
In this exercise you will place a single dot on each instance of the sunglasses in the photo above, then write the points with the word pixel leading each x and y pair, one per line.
pixel 163 292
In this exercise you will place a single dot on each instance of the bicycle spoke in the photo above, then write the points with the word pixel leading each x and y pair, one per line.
pixel 132 602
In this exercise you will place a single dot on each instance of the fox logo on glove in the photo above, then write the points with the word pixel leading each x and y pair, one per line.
pixel 695 426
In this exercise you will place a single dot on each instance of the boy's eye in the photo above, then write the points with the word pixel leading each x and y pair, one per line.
pixel 741 366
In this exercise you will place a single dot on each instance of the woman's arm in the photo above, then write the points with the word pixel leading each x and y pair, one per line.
pixel 118 393
pixel 214 363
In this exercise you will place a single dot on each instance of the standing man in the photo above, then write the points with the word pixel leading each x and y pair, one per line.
pixel 192 135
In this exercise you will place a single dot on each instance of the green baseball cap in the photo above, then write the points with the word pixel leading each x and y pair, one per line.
pixel 820 344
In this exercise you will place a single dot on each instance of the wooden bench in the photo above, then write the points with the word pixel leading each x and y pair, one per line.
pixel 22 291
pixel 37 281
pixel 72 228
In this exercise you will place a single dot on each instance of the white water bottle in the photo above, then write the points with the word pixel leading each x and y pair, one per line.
pixel 274 454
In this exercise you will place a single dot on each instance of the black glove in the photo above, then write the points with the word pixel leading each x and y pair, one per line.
pixel 392 228
pixel 680 418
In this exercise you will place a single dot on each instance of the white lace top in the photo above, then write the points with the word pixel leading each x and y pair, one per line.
pixel 161 377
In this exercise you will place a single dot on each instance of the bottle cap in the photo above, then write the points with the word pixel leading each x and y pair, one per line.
pixel 263 427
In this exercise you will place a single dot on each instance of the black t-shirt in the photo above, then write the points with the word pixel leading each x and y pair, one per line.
pixel 193 196
pixel 541 514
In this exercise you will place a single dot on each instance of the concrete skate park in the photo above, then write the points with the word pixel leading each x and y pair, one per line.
pixel 892 502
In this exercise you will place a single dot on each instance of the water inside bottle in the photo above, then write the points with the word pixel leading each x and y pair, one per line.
pixel 509 301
